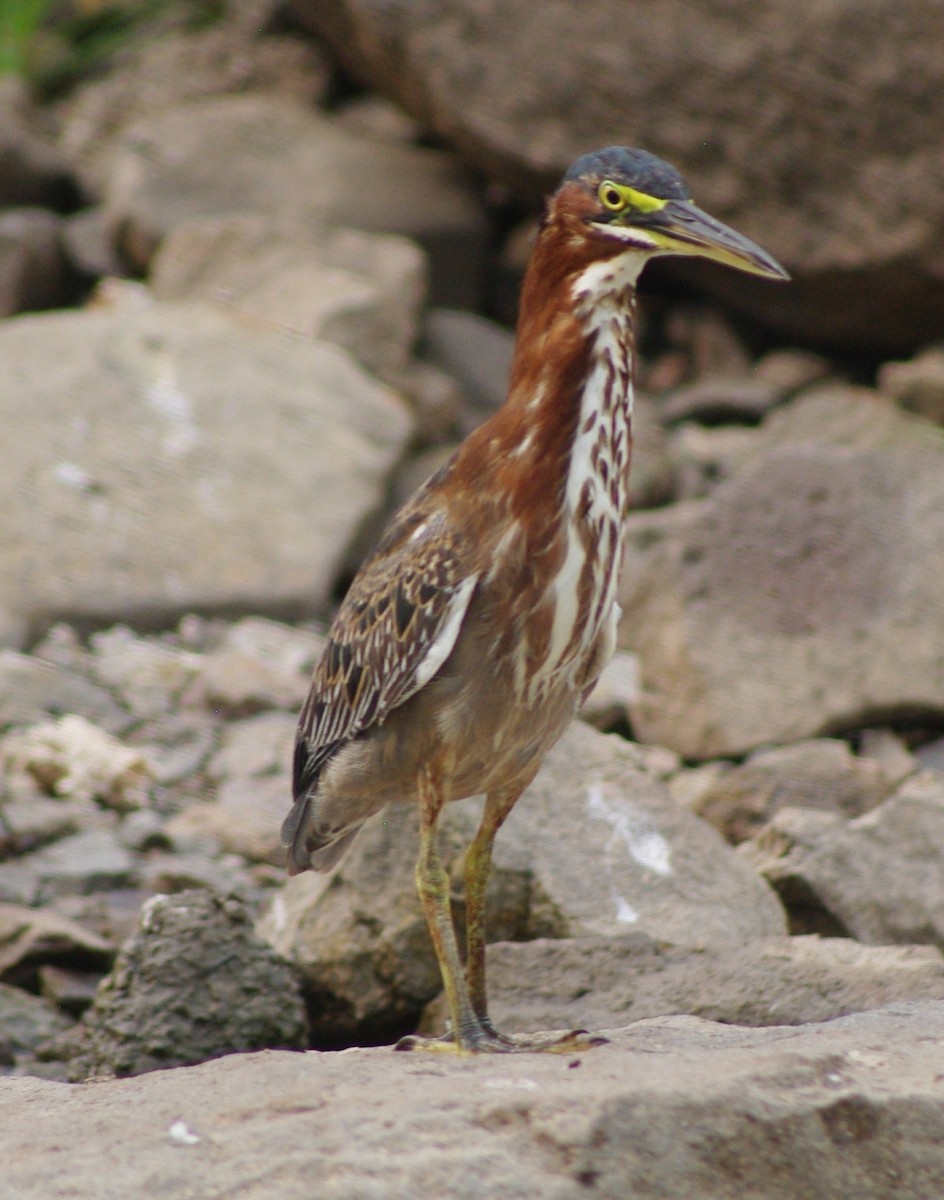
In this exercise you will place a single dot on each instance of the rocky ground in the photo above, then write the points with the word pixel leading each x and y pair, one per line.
pixel 269 303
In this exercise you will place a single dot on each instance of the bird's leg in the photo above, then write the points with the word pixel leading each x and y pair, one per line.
pixel 432 883
pixel 478 867
pixel 472 1032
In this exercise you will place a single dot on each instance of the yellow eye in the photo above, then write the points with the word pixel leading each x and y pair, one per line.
pixel 610 196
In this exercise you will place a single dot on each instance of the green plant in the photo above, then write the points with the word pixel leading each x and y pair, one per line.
pixel 19 20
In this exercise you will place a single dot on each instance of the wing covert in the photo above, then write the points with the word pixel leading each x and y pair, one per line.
pixel 394 630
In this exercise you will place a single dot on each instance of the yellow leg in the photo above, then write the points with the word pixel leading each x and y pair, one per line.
pixel 472 1033
pixel 478 868
pixel 432 883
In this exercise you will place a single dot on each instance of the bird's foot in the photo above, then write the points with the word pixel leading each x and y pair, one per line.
pixel 485 1039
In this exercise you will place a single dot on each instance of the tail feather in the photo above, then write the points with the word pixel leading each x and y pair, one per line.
pixel 306 849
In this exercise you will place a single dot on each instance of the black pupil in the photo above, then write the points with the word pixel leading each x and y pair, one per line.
pixel 611 197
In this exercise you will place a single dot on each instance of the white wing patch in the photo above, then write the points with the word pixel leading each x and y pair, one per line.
pixel 441 646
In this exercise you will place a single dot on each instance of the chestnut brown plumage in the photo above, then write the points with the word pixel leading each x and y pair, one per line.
pixel 470 635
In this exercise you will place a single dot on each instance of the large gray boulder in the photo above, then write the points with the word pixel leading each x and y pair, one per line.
pixel 814 127
pixel 673 1108
pixel 261 154
pixel 170 457
pixel 804 595
pixel 599 983
pixel 361 291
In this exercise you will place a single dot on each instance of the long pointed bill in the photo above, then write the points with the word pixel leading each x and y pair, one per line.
pixel 679 227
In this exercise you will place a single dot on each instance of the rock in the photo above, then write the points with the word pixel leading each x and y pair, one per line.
pixel 31 820
pixel 88 244
pixel 256 745
pixel 194 983
pixel 32 171
pixel 652 475
pixel 602 983
pixel 878 878
pixel 170 458
pixel 703 456
pixel 674 1107
pixel 931 755
pixel 607 706
pixel 476 352
pixel 89 861
pixel 361 291
pixel 72 758
pixel 25 1022
pixel 917 385
pixel 69 990
pixel 595 846
pixel 714 399
pixel 31 937
pixel 181 872
pixel 31 689
pixel 34 272
pixel 259 745
pixel 773 610
pixel 244 819
pixel 708 341
pixel 798 169
pixel 258 664
pixel 264 155
pixel 821 774
pixel 654 866
pixel 791 370
pixel 157 69
pixel 113 915
pixel 148 677
pixel 176 745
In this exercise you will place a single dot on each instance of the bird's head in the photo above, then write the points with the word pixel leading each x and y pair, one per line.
pixel 629 200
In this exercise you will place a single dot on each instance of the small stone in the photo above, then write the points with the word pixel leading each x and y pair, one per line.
pixel 607 706
pixel 260 664
pixel 30 937
pixel 917 385
pixel 259 745
pixel 195 982
pixel 70 990
pixel 878 878
pixel 889 750
pixel 72 758
pixel 931 755
pixel 176 745
pixel 148 677
pixel 823 774
pixel 168 873
pixel 31 690
pixel 83 863
pixel 30 822
pixel 792 370
pixel 142 830
pixel 26 1021
pixel 715 400
pixel 245 818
